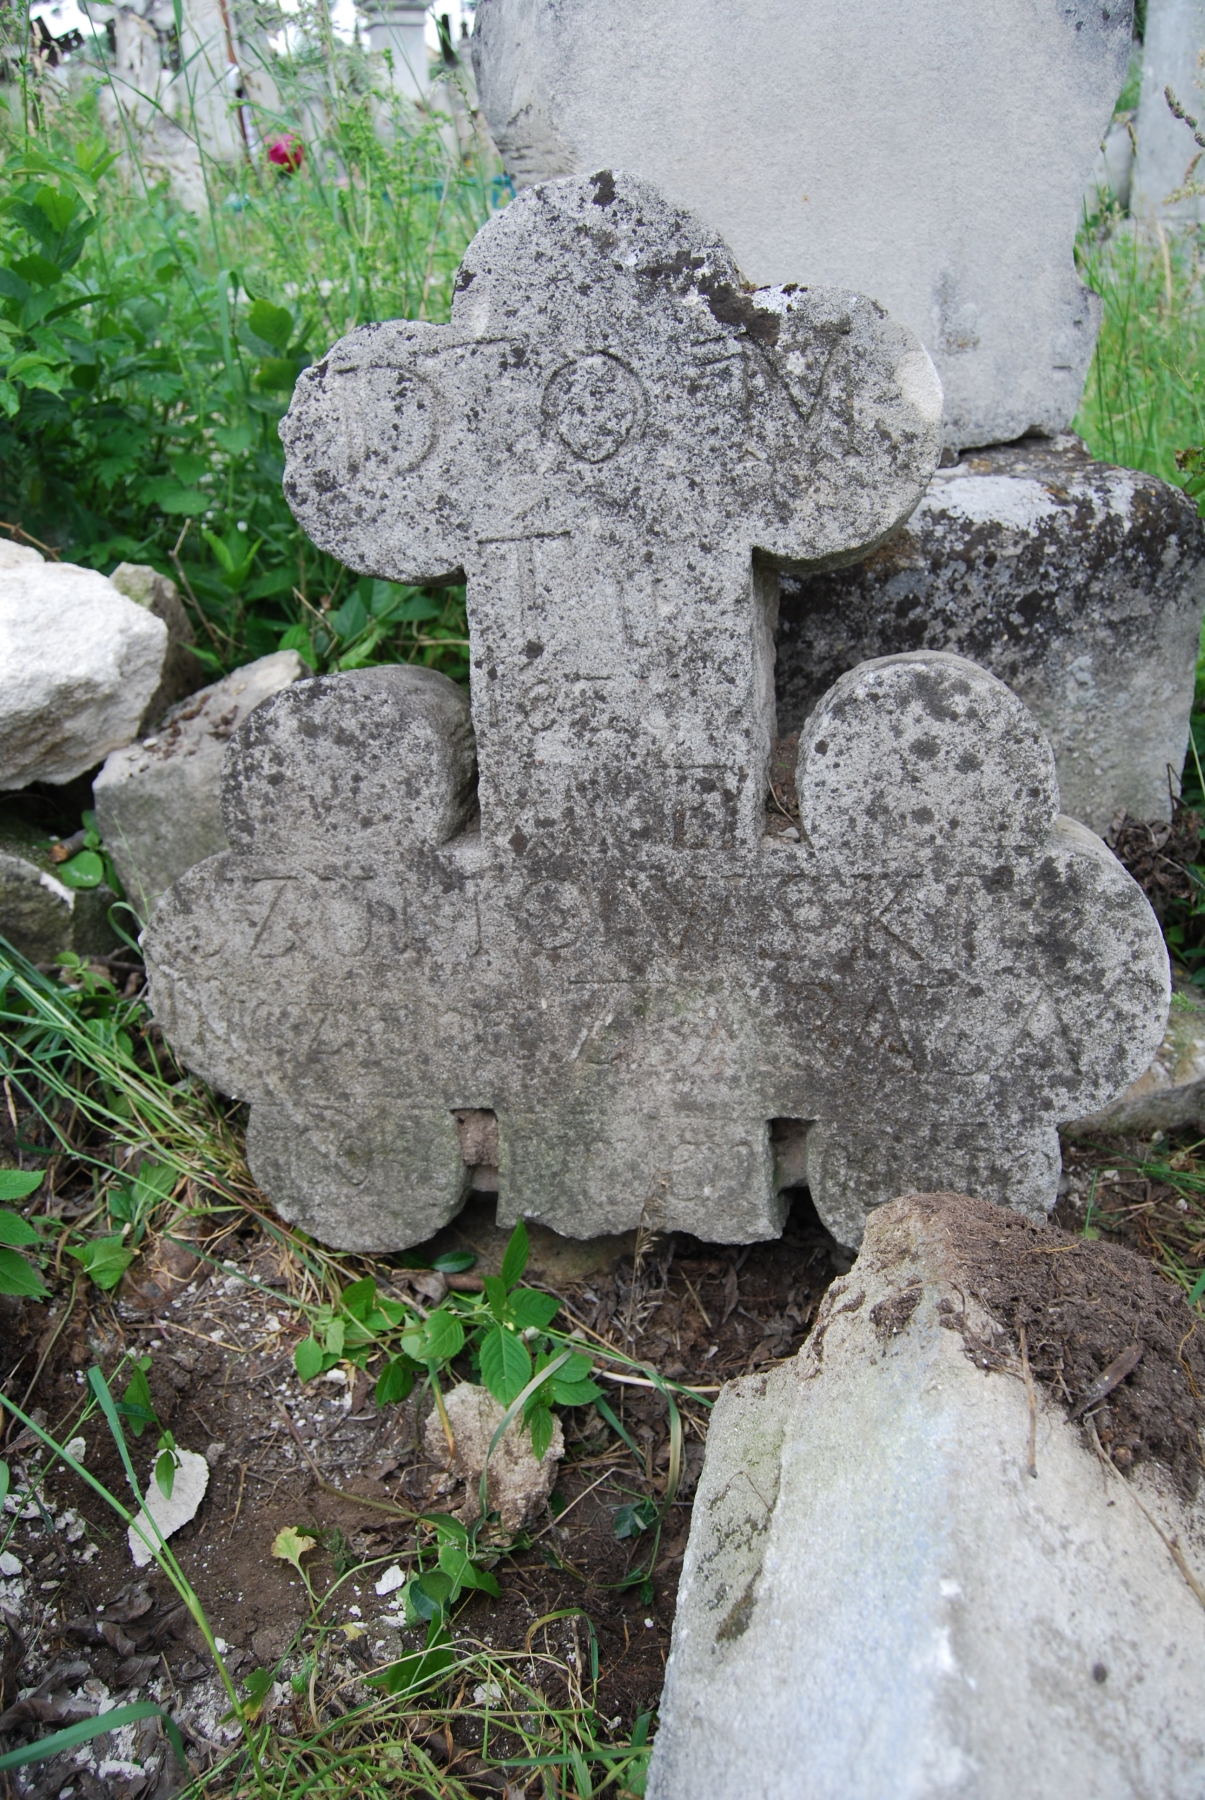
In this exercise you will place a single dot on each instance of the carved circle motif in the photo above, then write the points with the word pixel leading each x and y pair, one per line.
pixel 595 403
pixel 389 419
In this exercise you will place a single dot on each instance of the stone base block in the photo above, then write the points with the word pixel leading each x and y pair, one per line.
pixel 1080 585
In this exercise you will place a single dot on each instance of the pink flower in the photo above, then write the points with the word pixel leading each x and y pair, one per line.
pixel 287 151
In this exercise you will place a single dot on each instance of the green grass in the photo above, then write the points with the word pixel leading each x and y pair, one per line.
pixel 147 354
pixel 1144 401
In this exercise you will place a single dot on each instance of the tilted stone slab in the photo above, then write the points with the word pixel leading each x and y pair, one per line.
pixel 1079 584
pixel 899 1582
pixel 930 154
pixel 595 939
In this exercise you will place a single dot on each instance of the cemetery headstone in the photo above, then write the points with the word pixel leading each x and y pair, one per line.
pixel 916 1568
pixel 1080 585
pixel 564 908
pixel 1173 55
pixel 927 153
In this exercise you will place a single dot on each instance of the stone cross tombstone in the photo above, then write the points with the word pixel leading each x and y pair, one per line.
pixel 561 906
pixel 931 153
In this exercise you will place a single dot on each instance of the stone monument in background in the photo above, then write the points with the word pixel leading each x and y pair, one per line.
pixel 927 153
pixel 1173 55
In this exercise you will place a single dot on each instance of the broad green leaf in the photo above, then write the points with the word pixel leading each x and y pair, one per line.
pixel 334 1337
pixel 153 1182
pixel 495 1296
pixel 105 1258
pixel 350 619
pixel 541 1432
pixel 359 1297
pixel 517 1252
pixel 83 870
pixel 428 1594
pixel 634 1518
pixel 16 1230
pixel 259 1685
pixel 578 1368
pixel 454 1262
pixel 12 287
pixel 233 439
pixel 575 1393
pixel 19 1278
pixel 136 1405
pixel 166 1464
pixel 38 269
pixel 505 1364
pixel 527 1308
pixel 308 1359
pixel 58 207
pixel 274 324
pixel 277 581
pixel 437 1340
pixel 420 608
pixel 19 1184
pixel 395 1381
pixel 277 374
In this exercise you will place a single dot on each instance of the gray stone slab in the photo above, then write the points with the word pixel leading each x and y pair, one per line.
pixel 930 154
pixel 79 664
pixel 159 801
pixel 879 1599
pixel 1171 57
pixel 1080 585
pixel 597 941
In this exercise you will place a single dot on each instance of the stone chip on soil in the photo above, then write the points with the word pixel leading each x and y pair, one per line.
pixel 518 1483
pixel 188 1491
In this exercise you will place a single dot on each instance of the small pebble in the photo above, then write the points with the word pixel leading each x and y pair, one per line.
pixel 648 1624
pixel 9 1564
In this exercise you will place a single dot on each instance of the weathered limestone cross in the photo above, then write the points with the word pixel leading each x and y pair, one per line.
pixel 593 936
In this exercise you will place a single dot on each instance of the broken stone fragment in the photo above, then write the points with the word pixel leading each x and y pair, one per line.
pixel 169 1514
pixel 159 801
pixel 518 1482
pixel 79 666
pixel 914 1566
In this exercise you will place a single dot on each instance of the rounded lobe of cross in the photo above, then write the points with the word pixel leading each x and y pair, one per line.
pixel 603 356
pixel 1018 966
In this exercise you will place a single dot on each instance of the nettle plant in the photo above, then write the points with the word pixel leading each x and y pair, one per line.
pixel 505 1330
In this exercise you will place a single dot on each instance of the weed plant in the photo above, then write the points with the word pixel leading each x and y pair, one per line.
pixel 147 354
pixel 129 1149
